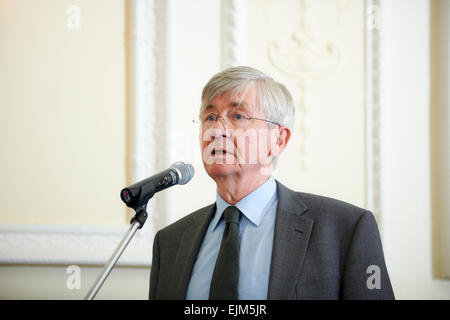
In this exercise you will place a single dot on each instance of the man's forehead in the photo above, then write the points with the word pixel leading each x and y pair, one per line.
pixel 244 99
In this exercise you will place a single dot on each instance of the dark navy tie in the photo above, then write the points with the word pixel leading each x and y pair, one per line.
pixel 225 278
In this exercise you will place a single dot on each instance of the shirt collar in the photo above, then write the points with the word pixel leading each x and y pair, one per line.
pixel 253 206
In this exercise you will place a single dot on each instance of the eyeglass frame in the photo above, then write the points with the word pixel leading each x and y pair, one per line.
pixel 244 116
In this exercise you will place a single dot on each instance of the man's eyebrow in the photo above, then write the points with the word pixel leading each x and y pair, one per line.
pixel 232 103
pixel 238 104
pixel 235 104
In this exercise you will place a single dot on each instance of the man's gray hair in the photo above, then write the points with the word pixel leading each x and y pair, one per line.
pixel 273 97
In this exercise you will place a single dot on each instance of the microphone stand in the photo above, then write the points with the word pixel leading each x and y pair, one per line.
pixel 137 222
pixel 136 197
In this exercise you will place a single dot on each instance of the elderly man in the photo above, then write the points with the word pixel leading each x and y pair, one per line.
pixel 259 239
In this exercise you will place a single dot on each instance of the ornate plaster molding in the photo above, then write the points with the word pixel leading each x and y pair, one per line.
pixel 67 245
pixel 374 92
pixel 148 107
pixel 233 33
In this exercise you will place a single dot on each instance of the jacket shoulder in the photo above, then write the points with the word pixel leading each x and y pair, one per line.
pixel 332 206
pixel 187 220
pixel 317 206
pixel 336 220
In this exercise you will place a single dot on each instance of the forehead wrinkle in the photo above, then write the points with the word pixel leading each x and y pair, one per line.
pixel 236 94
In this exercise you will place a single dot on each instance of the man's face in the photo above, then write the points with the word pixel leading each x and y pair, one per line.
pixel 231 142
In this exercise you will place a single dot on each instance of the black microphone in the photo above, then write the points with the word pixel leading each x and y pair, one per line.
pixel 138 194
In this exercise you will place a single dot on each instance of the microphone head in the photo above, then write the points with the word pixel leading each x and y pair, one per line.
pixel 185 171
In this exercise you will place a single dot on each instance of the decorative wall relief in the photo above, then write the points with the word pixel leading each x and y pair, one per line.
pixel 303 56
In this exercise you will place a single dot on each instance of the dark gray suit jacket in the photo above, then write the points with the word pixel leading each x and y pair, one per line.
pixel 323 249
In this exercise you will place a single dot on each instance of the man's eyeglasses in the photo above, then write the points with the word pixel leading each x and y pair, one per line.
pixel 237 120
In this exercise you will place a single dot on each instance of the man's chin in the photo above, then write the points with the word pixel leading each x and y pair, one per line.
pixel 223 169
pixel 220 169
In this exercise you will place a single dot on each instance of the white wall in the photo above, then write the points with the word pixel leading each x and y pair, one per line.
pixel 34 282
pixel 63 143
pixel 62 100
pixel 407 152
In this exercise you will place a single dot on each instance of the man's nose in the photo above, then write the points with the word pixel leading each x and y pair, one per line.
pixel 218 130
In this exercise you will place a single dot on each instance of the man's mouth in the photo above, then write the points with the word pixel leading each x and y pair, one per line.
pixel 220 152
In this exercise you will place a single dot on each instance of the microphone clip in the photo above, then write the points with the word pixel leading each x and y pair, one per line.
pixel 140 216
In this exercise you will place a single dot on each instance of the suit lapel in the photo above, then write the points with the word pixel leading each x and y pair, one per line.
pixel 191 241
pixel 291 237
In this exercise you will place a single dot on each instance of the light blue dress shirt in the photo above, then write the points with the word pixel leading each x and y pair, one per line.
pixel 256 231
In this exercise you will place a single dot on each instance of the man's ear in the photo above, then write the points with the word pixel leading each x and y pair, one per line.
pixel 282 139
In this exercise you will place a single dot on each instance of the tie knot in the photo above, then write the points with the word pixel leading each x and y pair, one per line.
pixel 232 214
